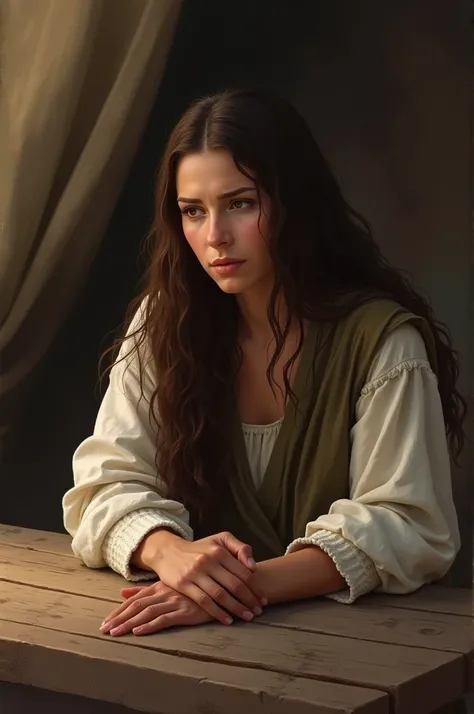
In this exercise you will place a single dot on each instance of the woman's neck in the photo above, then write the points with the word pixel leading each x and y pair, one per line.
pixel 255 325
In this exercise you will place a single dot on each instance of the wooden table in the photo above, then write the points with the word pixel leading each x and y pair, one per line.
pixel 409 654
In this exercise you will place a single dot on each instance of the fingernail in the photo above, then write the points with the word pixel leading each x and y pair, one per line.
pixel 228 621
pixel 257 611
pixel 104 627
pixel 252 563
pixel 115 631
pixel 264 601
pixel 247 615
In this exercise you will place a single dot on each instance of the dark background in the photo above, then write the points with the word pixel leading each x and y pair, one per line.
pixel 385 88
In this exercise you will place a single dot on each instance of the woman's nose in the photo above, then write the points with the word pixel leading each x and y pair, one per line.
pixel 218 233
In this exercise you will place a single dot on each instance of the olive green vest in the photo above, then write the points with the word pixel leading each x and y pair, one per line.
pixel 309 466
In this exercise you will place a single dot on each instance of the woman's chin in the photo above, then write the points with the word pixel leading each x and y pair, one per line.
pixel 231 286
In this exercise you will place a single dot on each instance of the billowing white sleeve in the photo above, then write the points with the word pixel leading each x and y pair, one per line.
pixel 398 530
pixel 117 497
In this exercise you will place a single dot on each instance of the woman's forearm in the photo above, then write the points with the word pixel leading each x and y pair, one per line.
pixel 151 547
pixel 306 573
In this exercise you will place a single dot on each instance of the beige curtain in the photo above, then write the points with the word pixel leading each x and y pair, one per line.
pixel 78 79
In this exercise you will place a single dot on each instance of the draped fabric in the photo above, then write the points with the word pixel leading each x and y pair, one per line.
pixel 78 80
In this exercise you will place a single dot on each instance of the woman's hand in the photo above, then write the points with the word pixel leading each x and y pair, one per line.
pixel 217 573
pixel 152 608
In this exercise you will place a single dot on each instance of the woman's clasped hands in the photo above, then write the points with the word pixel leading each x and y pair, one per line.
pixel 209 579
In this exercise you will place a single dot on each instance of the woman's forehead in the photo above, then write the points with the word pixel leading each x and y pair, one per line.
pixel 213 171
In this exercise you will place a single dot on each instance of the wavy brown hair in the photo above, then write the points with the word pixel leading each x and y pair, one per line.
pixel 322 251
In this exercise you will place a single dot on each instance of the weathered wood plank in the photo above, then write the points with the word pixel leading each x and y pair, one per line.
pixel 149 681
pixel 418 679
pixel 433 598
pixel 430 598
pixel 373 621
pixel 30 539
pixel 367 620
pixel 58 572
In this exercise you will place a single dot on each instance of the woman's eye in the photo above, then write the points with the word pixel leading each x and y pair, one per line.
pixel 241 203
pixel 191 211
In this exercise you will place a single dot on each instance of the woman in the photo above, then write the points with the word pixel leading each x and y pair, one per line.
pixel 277 422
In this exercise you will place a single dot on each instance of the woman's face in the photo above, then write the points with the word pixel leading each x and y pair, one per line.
pixel 223 221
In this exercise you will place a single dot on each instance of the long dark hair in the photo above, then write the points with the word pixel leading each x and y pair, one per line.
pixel 322 250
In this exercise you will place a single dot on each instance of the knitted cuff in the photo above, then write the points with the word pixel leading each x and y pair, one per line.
pixel 354 565
pixel 126 535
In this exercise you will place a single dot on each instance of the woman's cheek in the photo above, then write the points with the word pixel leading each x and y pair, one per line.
pixel 258 232
pixel 250 227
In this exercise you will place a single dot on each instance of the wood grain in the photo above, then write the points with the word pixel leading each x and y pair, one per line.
pixel 433 598
pixel 30 539
pixel 152 682
pixel 418 679
pixel 376 622
pixel 52 571
pixel 434 618
pixel 369 619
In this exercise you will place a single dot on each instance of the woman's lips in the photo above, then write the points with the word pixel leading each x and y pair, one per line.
pixel 228 268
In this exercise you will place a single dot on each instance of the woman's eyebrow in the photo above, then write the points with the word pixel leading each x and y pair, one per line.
pixel 228 194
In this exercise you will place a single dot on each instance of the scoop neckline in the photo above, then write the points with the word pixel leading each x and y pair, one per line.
pixel 262 426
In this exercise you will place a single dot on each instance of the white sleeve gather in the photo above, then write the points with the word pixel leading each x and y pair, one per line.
pixel 398 530
pixel 117 497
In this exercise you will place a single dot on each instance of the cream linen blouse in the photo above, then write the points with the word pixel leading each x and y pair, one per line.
pixel 397 531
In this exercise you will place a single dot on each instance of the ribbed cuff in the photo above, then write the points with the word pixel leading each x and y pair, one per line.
pixel 354 565
pixel 126 535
